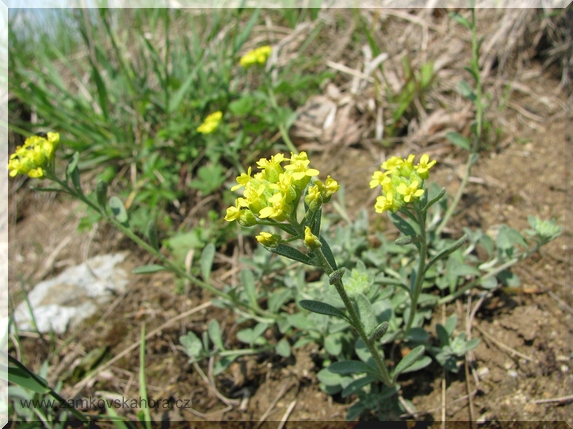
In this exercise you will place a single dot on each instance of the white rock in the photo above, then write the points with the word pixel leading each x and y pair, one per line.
pixel 74 295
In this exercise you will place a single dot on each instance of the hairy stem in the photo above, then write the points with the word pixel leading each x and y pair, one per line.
pixel 355 320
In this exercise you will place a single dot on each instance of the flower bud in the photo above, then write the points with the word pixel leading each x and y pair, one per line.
pixel 311 241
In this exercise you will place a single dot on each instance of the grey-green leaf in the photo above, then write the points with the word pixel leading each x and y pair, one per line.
pixel 352 367
pixel 192 344
pixel 408 361
pixel 458 140
pixel 365 312
pixel 214 330
pixel 101 193
pixel 207 257
pixel 149 269
pixel 118 210
pixel 291 253
pixel 356 385
pixel 322 308
pixel 283 348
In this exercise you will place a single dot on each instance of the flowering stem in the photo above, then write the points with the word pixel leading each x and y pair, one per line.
pixel 170 266
pixel 355 319
pixel 423 250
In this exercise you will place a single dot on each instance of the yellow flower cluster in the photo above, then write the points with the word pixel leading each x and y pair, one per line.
pixel 402 182
pixel 275 191
pixel 210 123
pixel 256 56
pixel 34 156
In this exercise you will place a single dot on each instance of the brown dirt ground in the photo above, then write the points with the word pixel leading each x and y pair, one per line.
pixel 526 173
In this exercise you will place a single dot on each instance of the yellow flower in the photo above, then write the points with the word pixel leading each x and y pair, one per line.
pixel 257 56
pixel 310 240
pixel 299 166
pixel 424 166
pixel 410 191
pixel 35 156
pixel 234 212
pixel 379 178
pixel 210 123
pixel 272 167
pixel 392 164
pixel 384 203
pixel 242 180
pixel 278 210
pixel 268 239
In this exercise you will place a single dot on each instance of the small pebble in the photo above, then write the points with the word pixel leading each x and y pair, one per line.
pixel 483 372
pixel 564 368
pixel 508 365
pixel 512 373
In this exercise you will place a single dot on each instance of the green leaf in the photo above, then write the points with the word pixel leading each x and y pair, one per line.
pixel 458 140
pixel 443 335
pixel 291 253
pixel 22 378
pixel 246 31
pixel 446 252
pixel 355 411
pixel 451 324
pixel 328 253
pixel 248 282
pixel 72 171
pixel 333 344
pixel 402 224
pixel 223 363
pixel 507 237
pixel 322 308
pixel 408 361
pixel 214 330
pixel 352 367
pixel 191 344
pixel 278 298
pixel 101 193
pixel 118 210
pixel 148 269
pixel 466 90
pixel 421 363
pixel 207 257
pixel 151 234
pixel 365 312
pixel 434 200
pixel 356 385
pixel 283 348
pixel 460 20
pixel 328 377
pixel 488 282
pixel 243 106
pixel 463 270
pixel 508 278
pixel 418 335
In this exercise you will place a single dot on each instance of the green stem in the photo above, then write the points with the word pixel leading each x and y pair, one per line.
pixel 355 319
pixel 423 253
pixel 166 262
pixel 51 391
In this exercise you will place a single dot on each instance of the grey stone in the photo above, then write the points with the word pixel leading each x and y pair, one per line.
pixel 74 295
